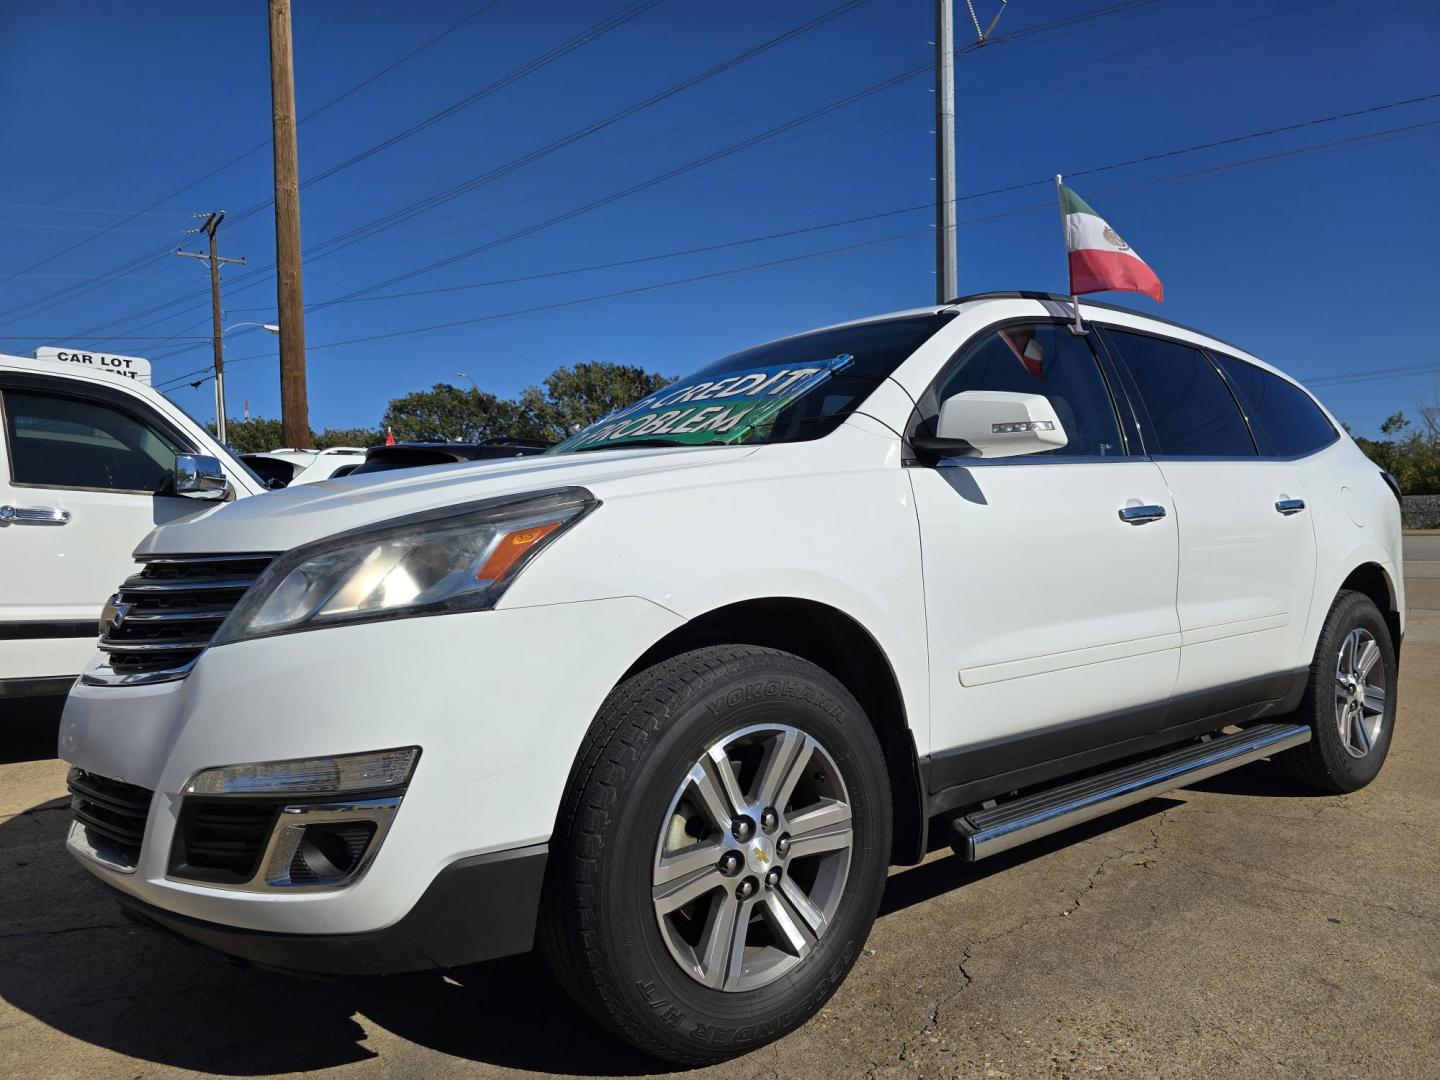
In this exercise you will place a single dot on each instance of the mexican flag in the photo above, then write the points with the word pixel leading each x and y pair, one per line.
pixel 1099 259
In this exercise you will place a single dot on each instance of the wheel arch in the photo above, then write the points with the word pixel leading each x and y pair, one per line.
pixel 1374 581
pixel 836 642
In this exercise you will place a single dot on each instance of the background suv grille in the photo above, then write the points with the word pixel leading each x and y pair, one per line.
pixel 170 611
pixel 111 810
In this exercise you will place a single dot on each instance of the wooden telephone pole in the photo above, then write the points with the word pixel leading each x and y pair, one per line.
pixel 290 297
pixel 210 228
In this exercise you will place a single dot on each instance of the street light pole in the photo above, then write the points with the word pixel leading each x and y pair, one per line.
pixel 946 286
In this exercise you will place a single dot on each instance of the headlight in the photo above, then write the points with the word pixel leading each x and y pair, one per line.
pixel 426 564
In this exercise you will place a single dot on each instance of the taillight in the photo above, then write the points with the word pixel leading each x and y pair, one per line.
pixel 1393 483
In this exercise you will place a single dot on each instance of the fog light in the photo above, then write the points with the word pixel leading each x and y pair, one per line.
pixel 330 852
pixel 341 775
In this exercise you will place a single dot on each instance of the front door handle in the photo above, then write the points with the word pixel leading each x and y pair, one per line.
pixel 1139 515
pixel 1290 506
pixel 32 515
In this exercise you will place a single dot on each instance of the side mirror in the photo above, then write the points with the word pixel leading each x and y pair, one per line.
pixel 199 477
pixel 995 423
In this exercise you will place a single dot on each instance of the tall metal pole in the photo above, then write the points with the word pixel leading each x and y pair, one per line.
pixel 946 278
pixel 210 229
pixel 219 341
pixel 290 299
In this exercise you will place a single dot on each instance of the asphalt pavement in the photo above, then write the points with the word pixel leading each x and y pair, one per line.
pixel 1237 928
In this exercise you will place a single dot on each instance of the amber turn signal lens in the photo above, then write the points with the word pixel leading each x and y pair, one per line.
pixel 512 548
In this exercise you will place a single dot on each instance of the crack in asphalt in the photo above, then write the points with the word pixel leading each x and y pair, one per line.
pixel 66 930
pixel 968 952
pixel 1304 887
pixel 32 812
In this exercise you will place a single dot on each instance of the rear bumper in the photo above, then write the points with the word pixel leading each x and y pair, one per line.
pixel 478 908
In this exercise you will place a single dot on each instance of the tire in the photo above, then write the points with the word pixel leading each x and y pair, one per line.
pixel 1342 755
pixel 644 788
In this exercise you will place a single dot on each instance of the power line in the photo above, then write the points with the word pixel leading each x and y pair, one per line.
pixel 634 9
pixel 1045 206
pixel 359 295
pixel 735 148
pixel 361 232
pixel 258 146
pixel 1098 13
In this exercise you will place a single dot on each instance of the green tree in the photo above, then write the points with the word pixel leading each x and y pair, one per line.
pixel 1394 425
pixel 255 435
pixel 445 413
pixel 361 437
pixel 578 396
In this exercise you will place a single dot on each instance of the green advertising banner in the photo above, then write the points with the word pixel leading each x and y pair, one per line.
pixel 704 411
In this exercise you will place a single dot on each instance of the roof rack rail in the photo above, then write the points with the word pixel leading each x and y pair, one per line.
pixel 1066 298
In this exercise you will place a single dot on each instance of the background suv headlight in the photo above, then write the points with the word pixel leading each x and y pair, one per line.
pixel 456 559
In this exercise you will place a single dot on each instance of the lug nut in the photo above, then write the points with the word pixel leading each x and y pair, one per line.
pixel 772 879
pixel 746 889
pixel 730 863
pixel 782 846
pixel 742 827
pixel 769 819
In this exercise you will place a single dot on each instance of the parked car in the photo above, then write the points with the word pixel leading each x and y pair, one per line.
pixel 414 455
pixel 671 698
pixel 88 466
pixel 286 466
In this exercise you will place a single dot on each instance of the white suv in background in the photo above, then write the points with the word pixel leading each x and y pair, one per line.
pixel 671 698
pixel 87 469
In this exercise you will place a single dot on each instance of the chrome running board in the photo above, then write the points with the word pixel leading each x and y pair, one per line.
pixel 999 828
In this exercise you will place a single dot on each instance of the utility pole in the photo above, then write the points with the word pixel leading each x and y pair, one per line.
pixel 947 277
pixel 210 228
pixel 946 286
pixel 290 298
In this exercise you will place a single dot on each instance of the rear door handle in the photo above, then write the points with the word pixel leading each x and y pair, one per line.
pixel 1290 506
pixel 33 515
pixel 1139 515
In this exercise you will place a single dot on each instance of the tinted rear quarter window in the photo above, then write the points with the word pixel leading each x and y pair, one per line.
pixel 1285 415
pixel 1191 411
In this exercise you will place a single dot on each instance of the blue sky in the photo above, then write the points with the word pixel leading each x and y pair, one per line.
pixel 1324 262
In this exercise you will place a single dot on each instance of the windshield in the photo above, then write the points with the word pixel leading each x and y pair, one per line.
pixel 787 391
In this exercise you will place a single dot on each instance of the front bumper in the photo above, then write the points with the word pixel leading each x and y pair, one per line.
pixel 477 909
pixel 498 701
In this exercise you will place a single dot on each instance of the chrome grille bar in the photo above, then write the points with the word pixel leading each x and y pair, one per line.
pixel 164 617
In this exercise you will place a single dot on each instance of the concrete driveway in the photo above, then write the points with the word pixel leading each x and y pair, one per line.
pixel 1237 929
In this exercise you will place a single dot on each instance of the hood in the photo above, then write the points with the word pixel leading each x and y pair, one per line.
pixel 281 519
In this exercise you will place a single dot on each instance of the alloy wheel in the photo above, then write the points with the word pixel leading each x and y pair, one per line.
pixel 752 858
pixel 1359 692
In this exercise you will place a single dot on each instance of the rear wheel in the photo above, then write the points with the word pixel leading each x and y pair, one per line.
pixel 1350 700
pixel 720 854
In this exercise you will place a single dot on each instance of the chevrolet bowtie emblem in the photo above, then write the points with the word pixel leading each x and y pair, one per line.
pixel 114 614
pixel 760 855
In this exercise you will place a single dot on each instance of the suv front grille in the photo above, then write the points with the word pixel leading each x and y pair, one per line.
pixel 165 615
pixel 112 812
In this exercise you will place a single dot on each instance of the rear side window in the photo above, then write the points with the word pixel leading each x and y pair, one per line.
pixel 1192 412
pixel 65 442
pixel 1290 421
pixel 1044 359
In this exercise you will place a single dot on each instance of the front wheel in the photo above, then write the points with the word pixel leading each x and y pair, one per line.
pixel 720 854
pixel 1349 702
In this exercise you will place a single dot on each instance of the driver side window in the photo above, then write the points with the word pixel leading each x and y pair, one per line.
pixel 1044 359
pixel 57 441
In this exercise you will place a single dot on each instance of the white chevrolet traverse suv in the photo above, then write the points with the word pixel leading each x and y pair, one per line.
pixel 668 700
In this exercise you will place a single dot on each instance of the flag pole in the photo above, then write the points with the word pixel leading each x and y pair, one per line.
pixel 1078 327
